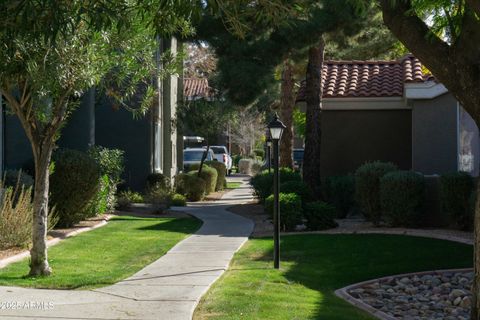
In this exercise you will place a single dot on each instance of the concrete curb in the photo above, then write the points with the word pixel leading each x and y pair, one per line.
pixel 25 254
pixel 343 292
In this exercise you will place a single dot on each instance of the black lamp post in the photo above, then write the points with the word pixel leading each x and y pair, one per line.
pixel 276 128
pixel 268 150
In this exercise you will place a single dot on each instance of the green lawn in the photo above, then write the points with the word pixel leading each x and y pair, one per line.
pixel 312 268
pixel 233 185
pixel 105 255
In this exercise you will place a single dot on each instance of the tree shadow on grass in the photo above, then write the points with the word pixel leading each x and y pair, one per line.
pixel 326 263
pixel 178 225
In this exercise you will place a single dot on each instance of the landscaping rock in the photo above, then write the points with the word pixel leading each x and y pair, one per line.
pixel 443 295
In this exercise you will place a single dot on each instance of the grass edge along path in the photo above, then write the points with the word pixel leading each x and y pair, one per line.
pixel 105 255
pixel 312 268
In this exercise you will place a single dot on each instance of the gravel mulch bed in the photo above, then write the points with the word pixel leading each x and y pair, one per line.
pixel 438 295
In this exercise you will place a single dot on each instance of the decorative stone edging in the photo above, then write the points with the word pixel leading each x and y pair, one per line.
pixel 344 292
pixel 25 254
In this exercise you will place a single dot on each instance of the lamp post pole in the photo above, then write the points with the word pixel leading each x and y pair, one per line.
pixel 276 128
pixel 269 155
pixel 276 207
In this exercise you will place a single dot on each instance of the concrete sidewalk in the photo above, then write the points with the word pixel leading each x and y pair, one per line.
pixel 168 289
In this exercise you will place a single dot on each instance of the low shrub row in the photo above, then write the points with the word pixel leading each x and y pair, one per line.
pixel 316 215
pixel 397 198
pixel 196 186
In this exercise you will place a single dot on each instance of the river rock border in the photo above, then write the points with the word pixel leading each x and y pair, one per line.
pixel 344 293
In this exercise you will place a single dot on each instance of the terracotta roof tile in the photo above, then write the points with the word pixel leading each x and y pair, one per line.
pixel 196 88
pixel 343 79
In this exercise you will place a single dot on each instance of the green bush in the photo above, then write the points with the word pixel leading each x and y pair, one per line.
pixel 262 183
pixel 127 197
pixel 110 161
pixel 191 186
pixel 299 188
pixel 14 177
pixel 367 188
pixel 221 174
pixel 157 181
pixel 340 192
pixel 402 196
pixel 320 215
pixel 159 197
pixel 111 164
pixel 456 193
pixel 179 200
pixel 103 199
pixel 236 160
pixel 290 210
pixel 74 183
pixel 209 175
pixel 259 153
pixel 16 216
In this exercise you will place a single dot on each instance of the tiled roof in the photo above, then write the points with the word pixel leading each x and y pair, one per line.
pixel 348 79
pixel 196 88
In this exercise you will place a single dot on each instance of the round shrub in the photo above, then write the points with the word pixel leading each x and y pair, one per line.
pixel 127 197
pixel 157 181
pixel 367 188
pixel 299 188
pixel 320 215
pixel 290 210
pixel 209 175
pixel 221 174
pixel 402 195
pixel 191 186
pixel 245 166
pixel 179 200
pixel 340 192
pixel 73 185
pixel 262 183
pixel 456 193
pixel 14 177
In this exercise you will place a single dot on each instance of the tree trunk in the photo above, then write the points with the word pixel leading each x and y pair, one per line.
pixel 476 260
pixel 313 133
pixel 204 156
pixel 286 115
pixel 39 260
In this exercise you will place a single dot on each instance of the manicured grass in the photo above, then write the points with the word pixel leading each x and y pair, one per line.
pixel 105 255
pixel 233 185
pixel 312 268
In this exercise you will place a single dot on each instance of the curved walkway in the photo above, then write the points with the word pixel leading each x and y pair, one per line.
pixel 169 288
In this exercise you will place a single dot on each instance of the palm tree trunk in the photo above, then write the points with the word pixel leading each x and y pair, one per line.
pixel 286 114
pixel 313 133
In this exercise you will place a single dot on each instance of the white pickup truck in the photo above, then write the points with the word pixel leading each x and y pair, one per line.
pixel 221 154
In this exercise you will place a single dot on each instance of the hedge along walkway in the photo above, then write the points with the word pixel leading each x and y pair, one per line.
pixel 169 288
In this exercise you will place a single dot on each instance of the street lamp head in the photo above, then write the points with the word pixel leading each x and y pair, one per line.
pixel 276 128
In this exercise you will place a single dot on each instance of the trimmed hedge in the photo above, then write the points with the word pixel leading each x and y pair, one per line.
pixel 191 186
pixel 179 200
pixel 157 181
pixel 340 192
pixel 262 183
pixel 367 188
pixel 320 215
pixel 299 188
pixel 291 211
pixel 457 198
pixel 221 174
pixel 209 175
pixel 74 183
pixel 402 195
